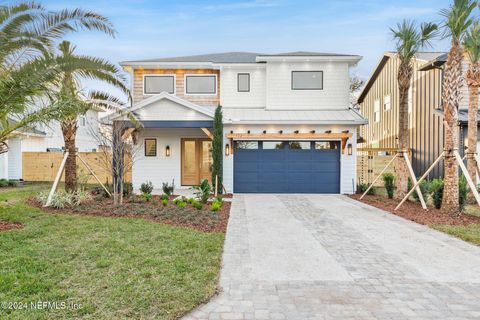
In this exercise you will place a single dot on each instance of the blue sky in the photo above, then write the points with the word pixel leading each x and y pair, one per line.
pixel 153 29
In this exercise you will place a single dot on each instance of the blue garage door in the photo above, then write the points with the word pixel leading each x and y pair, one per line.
pixel 287 166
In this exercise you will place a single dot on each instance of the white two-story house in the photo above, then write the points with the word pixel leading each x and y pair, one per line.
pixel 288 126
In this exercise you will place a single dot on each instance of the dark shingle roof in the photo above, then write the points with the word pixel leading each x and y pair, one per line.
pixel 225 57
pixel 235 57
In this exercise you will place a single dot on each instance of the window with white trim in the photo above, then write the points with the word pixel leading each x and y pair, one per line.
pixel 243 82
pixel 386 103
pixel 376 111
pixel 155 84
pixel 82 121
pixel 204 84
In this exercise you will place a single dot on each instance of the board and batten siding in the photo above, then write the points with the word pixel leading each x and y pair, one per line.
pixel 425 122
pixel 334 95
pixel 204 100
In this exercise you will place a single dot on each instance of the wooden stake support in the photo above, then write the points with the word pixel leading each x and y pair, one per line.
pixel 420 180
pixel 473 187
pixel 404 154
pixel 216 185
pixel 94 175
pixel 57 180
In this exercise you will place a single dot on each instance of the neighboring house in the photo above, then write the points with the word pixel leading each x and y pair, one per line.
pixel 379 103
pixel 287 122
pixel 43 138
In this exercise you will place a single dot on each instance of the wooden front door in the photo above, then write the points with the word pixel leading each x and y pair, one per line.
pixel 196 160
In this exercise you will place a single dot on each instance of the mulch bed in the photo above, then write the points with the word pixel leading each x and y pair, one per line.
pixel 7 225
pixel 413 211
pixel 203 220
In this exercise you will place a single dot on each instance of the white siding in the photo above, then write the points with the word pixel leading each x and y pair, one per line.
pixel 335 93
pixel 229 95
pixel 4 165
pixel 168 110
pixel 348 163
pixel 160 169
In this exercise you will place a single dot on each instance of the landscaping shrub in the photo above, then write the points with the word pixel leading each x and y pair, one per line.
pixel 164 197
pixel 3 183
pixel 424 189
pixel 362 187
pixel 462 192
pixel 146 187
pixel 388 183
pixel 164 202
pixel 436 187
pixel 63 199
pixel 147 196
pixel 204 190
pixel 12 183
pixel 197 205
pixel 215 206
pixel 181 204
pixel 168 189
pixel 127 188
pixel 191 200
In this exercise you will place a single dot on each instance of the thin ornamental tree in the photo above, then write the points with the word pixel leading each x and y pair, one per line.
pixel 410 38
pixel 217 149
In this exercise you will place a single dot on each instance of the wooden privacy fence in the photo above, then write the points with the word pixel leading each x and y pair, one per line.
pixel 43 166
pixel 371 161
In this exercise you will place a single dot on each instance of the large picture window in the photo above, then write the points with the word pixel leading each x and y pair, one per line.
pixel 155 84
pixel 307 80
pixel 204 84
pixel 150 147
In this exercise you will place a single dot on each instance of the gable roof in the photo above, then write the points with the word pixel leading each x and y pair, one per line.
pixel 164 95
pixel 424 56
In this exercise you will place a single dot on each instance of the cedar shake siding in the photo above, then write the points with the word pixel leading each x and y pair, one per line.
pixel 205 100
pixel 425 116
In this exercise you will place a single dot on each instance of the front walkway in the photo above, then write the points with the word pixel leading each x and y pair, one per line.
pixel 329 257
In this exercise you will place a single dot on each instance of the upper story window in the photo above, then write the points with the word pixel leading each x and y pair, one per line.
pixel 243 82
pixel 307 80
pixel 376 111
pixel 155 84
pixel 386 103
pixel 201 84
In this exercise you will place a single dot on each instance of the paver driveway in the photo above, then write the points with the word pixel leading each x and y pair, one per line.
pixel 330 257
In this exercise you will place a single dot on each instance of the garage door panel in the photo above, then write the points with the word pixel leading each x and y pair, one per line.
pixel 286 170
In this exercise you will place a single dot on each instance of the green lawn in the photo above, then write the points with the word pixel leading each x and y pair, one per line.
pixel 470 233
pixel 114 268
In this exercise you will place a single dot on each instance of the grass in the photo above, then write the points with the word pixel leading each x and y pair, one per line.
pixel 470 233
pixel 112 268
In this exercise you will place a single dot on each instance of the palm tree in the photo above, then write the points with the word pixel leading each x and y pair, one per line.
pixel 457 20
pixel 471 45
pixel 410 38
pixel 74 101
pixel 28 33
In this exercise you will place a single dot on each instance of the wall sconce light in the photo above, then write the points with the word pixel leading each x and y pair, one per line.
pixel 345 131
pixel 231 131
pixel 328 131
pixel 264 131
pixel 296 131
pixel 281 131
pixel 350 149
pixel 227 149
pixel 248 131
pixel 167 151
pixel 312 132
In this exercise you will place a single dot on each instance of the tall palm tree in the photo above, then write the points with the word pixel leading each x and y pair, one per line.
pixel 471 45
pixel 28 33
pixel 410 38
pixel 75 101
pixel 457 20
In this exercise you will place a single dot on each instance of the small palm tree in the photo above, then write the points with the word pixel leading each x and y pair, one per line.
pixel 471 45
pixel 410 38
pixel 28 33
pixel 457 20
pixel 74 101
